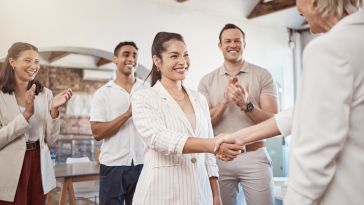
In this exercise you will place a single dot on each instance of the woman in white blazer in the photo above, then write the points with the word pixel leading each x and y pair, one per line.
pixel 29 122
pixel 175 125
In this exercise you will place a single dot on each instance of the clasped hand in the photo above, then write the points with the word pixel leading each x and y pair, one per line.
pixel 228 147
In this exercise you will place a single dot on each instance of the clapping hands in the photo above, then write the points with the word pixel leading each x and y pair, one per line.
pixel 29 102
pixel 59 100
pixel 237 93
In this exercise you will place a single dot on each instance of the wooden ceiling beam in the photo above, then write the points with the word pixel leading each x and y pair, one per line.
pixel 56 56
pixel 103 61
pixel 263 8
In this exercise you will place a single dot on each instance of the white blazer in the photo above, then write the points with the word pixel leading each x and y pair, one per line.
pixel 168 176
pixel 12 142
pixel 327 159
pixel 284 121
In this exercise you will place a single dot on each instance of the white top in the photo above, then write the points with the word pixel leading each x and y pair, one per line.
pixel 109 102
pixel 284 121
pixel 32 133
pixel 327 148
pixel 169 176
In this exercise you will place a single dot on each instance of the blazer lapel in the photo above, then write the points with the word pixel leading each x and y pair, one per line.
pixel 10 108
pixel 197 109
pixel 173 104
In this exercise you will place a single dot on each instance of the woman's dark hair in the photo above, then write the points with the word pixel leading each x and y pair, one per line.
pixel 158 47
pixel 7 75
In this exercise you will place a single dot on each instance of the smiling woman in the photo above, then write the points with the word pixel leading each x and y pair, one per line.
pixel 174 123
pixel 29 123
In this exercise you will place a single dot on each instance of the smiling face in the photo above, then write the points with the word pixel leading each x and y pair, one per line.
pixel 126 60
pixel 174 61
pixel 232 45
pixel 26 66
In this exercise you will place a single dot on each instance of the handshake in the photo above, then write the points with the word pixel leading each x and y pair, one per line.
pixel 227 146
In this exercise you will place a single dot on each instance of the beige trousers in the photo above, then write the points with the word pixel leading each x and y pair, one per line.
pixel 253 170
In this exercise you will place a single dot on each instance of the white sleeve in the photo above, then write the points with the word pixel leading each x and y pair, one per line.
pixel 284 121
pixel 98 111
pixel 150 123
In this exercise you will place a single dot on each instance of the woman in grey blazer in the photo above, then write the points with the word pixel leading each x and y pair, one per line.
pixel 29 122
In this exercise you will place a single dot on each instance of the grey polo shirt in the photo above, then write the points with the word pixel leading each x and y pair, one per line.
pixel 213 85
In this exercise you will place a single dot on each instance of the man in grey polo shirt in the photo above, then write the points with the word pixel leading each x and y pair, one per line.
pixel 241 94
pixel 121 156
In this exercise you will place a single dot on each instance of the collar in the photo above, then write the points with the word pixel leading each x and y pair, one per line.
pixel 245 68
pixel 112 84
pixel 165 94
pixel 354 18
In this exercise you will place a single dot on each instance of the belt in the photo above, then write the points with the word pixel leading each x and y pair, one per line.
pixel 254 146
pixel 33 145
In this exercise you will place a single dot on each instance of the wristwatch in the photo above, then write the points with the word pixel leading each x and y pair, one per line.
pixel 249 107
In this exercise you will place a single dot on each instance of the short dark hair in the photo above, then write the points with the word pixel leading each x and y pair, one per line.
pixel 124 43
pixel 231 26
pixel 7 74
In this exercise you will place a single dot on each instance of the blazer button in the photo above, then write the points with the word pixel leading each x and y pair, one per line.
pixel 193 160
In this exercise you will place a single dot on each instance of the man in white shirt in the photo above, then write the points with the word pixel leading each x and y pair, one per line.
pixel 121 156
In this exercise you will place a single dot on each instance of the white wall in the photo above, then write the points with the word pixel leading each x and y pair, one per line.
pixel 102 24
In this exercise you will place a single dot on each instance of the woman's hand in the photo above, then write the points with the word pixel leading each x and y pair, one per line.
pixel 227 147
pixel 29 102
pixel 59 100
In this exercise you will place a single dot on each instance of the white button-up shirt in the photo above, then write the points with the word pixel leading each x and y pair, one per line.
pixel 109 102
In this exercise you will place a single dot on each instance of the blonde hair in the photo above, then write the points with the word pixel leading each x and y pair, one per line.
pixel 338 7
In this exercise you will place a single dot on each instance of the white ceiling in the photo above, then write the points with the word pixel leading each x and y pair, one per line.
pixel 287 18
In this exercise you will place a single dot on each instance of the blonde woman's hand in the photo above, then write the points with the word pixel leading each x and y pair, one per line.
pixel 59 100
pixel 29 102
pixel 226 147
pixel 223 138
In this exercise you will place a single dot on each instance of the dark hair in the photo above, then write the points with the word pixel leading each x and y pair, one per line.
pixel 7 76
pixel 231 26
pixel 158 47
pixel 124 43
